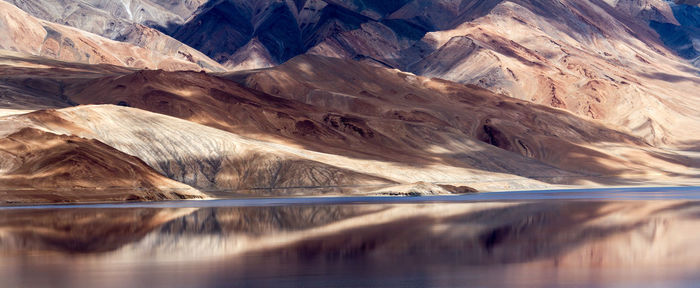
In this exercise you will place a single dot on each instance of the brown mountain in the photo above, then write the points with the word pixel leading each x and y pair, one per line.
pixel 499 95
pixel 40 166
pixel 324 125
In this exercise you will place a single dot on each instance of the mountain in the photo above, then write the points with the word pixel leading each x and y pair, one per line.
pixel 400 97
pixel 590 61
pixel 319 125
pixel 284 29
pixel 533 131
pixel 589 57
pixel 592 58
pixel 41 166
pixel 24 33
pixel 684 36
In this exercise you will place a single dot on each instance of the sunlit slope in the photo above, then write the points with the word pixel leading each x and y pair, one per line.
pixel 22 32
pixel 213 159
pixel 40 166
pixel 586 58
pixel 553 136
pixel 323 125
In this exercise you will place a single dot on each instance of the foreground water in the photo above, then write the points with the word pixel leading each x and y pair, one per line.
pixel 640 237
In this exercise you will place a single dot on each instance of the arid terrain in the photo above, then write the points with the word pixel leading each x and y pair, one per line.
pixel 349 143
pixel 157 100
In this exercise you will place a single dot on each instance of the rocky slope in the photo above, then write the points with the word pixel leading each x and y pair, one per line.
pixel 595 66
pixel 382 95
pixel 40 166
pixel 124 21
pixel 596 59
pixel 22 32
pixel 320 125
pixel 571 93
pixel 589 57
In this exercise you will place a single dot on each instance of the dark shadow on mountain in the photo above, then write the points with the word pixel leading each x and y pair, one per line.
pixel 678 38
pixel 246 111
pixel 681 38
pixel 670 77
pixel 220 28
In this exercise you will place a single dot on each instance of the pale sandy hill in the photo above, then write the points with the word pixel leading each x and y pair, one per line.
pixel 226 105
pixel 216 161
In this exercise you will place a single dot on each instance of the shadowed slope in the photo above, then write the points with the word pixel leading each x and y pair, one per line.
pixel 550 135
pixel 201 156
pixel 676 22
pixel 585 57
pixel 356 111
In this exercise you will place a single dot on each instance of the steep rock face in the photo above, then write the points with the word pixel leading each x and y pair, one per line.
pixel 146 46
pixel 289 28
pixel 676 22
pixel 222 28
pixel 683 37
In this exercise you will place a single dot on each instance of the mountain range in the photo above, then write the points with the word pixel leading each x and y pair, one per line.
pixel 155 99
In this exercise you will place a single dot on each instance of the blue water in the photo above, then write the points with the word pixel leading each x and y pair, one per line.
pixel 594 194
pixel 433 241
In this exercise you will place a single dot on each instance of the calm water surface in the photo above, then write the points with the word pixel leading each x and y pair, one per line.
pixel 636 237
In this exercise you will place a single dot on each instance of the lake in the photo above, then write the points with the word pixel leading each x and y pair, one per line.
pixel 623 237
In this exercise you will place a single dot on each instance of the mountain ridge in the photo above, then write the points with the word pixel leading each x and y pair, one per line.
pixel 337 97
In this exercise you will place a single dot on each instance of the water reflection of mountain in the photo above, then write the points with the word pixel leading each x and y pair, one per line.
pixel 570 233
